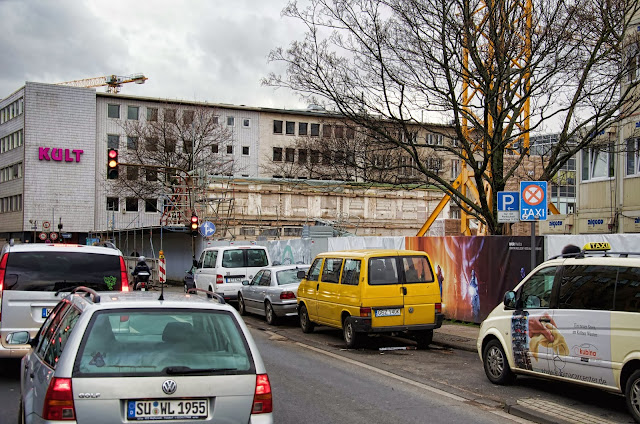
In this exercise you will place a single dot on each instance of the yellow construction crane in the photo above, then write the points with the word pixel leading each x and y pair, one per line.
pixel 113 82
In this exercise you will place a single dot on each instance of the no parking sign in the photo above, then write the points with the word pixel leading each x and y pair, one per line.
pixel 533 201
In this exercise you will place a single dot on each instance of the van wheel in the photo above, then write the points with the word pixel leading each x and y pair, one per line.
pixel 305 323
pixel 209 295
pixel 269 314
pixel 424 339
pixel 351 337
pixel 496 365
pixel 632 393
pixel 241 306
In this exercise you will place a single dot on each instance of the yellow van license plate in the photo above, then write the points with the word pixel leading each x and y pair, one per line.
pixel 387 312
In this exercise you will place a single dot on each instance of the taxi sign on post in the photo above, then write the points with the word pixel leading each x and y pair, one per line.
pixel 533 200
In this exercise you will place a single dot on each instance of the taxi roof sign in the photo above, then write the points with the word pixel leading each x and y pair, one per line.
pixel 597 246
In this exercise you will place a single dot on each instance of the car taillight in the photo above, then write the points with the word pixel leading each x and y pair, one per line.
pixel 365 312
pixel 3 267
pixel 124 277
pixel 438 308
pixel 58 402
pixel 262 400
pixel 219 279
pixel 287 295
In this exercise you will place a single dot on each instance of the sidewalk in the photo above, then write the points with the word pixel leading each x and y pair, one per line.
pixel 457 336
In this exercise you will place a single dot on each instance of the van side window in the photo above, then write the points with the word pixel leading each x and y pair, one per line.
pixel 202 258
pixel 331 272
pixel 351 272
pixel 587 287
pixel 314 271
pixel 210 259
pixel 628 290
pixel 382 271
pixel 536 292
pixel 417 269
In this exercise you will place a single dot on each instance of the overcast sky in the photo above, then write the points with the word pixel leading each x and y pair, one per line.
pixel 202 50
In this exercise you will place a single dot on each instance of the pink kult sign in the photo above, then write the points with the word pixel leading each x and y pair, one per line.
pixel 59 155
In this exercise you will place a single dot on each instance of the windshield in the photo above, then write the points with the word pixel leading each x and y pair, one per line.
pixel 59 270
pixel 162 342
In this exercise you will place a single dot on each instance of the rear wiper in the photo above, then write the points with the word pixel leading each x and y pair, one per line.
pixel 69 288
pixel 182 370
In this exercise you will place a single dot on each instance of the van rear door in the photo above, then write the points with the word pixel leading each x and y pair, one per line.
pixel 421 292
pixel 384 292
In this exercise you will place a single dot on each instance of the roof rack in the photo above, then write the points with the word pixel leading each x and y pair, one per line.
pixel 217 296
pixel 584 254
pixel 95 297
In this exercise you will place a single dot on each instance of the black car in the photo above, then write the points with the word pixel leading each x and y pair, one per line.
pixel 188 279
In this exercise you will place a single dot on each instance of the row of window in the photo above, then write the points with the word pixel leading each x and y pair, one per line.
pixel 11 203
pixel 11 172
pixel 168 115
pixel 151 145
pixel 11 141
pixel 132 204
pixel 12 110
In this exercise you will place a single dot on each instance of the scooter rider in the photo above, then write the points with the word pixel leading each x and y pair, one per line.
pixel 141 267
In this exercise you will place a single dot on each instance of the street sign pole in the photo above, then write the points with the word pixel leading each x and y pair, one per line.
pixel 533 207
pixel 533 245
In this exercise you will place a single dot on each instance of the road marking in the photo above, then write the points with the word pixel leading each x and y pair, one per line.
pixel 562 412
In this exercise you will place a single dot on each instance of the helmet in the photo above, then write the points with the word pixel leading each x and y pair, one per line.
pixel 141 259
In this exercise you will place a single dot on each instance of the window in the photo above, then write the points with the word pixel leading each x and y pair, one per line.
pixel 257 257
pixel 131 204
pixel 277 154
pixel 132 112
pixel 454 142
pixel 151 205
pixel 633 156
pixel 351 272
pixel 455 168
pixel 132 143
pixel 245 150
pixel 152 114
pixel 152 144
pixel 132 173
pixel 587 287
pixel 113 141
pixel 210 259
pixel 315 130
pixel 216 120
pixel 315 156
pixel 187 146
pixel 113 204
pixel 536 292
pixel 214 148
pixel 302 156
pixel 170 116
pixel 302 128
pixel 598 162
pixel 187 117
pixel 314 270
pixel 628 290
pixel 113 111
pixel 246 123
pixel 383 271
pixel 326 131
pixel 265 279
pixel 417 270
pixel 151 174
pixel 58 334
pixel 170 146
pixel 229 149
pixel 331 271
pixel 339 131
pixel 351 133
pixel 291 128
pixel 277 127
pixel 289 155
pixel 231 121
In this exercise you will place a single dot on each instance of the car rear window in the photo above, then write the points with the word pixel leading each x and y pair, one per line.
pixel 163 342
pixel 385 270
pixel 236 258
pixel 288 276
pixel 59 270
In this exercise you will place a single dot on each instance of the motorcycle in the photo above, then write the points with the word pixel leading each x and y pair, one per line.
pixel 141 281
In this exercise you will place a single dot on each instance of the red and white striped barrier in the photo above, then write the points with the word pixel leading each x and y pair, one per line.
pixel 162 269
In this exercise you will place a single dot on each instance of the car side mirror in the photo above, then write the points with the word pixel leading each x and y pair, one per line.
pixel 18 338
pixel 195 263
pixel 245 282
pixel 301 274
pixel 510 300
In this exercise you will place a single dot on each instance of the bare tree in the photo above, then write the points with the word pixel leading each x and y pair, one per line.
pixel 494 70
pixel 173 154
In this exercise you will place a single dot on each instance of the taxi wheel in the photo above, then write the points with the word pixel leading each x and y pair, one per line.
pixel 351 337
pixel 270 314
pixel 305 323
pixel 241 307
pixel 496 365
pixel 632 394
pixel 424 339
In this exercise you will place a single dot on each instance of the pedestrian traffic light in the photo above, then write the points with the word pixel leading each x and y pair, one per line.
pixel 112 164
pixel 194 225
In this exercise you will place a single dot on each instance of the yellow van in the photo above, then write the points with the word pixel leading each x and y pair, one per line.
pixel 371 291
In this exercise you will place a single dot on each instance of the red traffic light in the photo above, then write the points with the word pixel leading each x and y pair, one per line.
pixel 113 154
pixel 112 164
pixel 194 223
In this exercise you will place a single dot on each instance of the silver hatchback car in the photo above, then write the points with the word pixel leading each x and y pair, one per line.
pixel 141 356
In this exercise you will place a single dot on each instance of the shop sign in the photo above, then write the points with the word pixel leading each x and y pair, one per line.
pixel 58 154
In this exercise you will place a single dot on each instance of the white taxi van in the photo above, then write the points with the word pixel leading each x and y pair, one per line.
pixel 574 318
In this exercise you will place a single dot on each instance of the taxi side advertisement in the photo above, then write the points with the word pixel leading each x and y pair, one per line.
pixel 564 343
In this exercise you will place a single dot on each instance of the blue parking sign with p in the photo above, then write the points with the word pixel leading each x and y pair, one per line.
pixel 508 201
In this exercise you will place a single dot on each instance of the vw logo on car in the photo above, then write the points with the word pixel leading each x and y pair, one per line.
pixel 169 387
